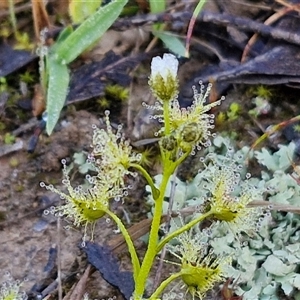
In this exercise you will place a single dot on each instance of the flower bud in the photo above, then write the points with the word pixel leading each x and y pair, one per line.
pixel 169 143
pixel 230 196
pixel 200 269
pixel 190 133
pixel 163 80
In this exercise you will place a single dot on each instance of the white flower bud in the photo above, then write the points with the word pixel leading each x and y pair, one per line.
pixel 163 80
pixel 168 65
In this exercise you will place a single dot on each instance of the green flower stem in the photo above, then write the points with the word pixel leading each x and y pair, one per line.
pixel 153 237
pixel 163 153
pixel 182 229
pixel 155 191
pixel 163 285
pixel 191 25
pixel 166 117
pixel 12 15
pixel 182 158
pixel 134 258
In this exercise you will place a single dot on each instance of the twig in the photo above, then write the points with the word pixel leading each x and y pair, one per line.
pixel 78 289
pixel 59 278
pixel 6 149
pixel 223 19
pixel 31 123
pixel 250 25
pixel 276 206
pixel 272 19
pixel 18 9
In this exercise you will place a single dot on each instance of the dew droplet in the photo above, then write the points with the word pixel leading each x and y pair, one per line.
pixel 42 184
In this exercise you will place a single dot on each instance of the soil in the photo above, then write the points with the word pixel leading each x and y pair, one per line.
pixel 27 234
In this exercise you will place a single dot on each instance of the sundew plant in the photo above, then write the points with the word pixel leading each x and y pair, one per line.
pixel 183 132
pixel 11 289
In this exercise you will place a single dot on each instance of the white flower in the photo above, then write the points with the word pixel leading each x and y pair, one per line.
pixel 163 80
pixel 164 66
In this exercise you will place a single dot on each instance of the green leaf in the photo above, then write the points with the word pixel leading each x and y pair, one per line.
pixel 81 9
pixel 58 82
pixel 157 6
pixel 65 33
pixel 171 42
pixel 89 32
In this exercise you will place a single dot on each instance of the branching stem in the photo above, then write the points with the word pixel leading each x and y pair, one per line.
pixel 183 229
pixel 134 258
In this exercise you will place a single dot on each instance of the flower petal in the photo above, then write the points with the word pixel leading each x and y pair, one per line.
pixel 164 66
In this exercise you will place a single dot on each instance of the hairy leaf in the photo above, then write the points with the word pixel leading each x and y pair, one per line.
pixel 89 31
pixel 58 82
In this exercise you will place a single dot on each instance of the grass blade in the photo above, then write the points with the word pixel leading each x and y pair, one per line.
pixel 89 32
pixel 58 82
